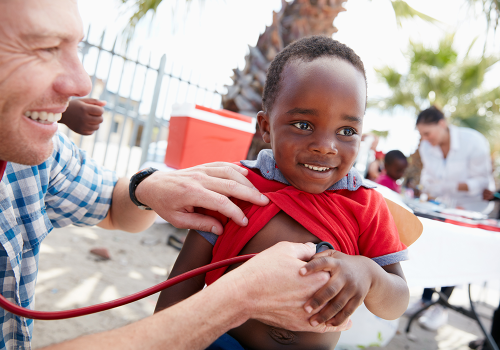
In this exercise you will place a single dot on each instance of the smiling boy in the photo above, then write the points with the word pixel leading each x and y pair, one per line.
pixel 313 107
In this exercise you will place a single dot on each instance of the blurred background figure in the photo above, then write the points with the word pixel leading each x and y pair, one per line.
pixel 456 170
pixel 492 196
pixel 376 167
pixel 456 162
pixel 395 164
pixel 370 161
pixel 84 115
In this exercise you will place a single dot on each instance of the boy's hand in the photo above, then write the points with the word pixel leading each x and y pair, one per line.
pixel 83 116
pixel 350 281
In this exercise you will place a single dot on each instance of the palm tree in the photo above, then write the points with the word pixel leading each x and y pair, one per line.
pixel 295 20
pixel 437 77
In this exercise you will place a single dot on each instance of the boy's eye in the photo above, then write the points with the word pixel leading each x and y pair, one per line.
pixel 302 126
pixel 347 132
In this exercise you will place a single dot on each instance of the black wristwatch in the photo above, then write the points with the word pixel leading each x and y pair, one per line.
pixel 135 180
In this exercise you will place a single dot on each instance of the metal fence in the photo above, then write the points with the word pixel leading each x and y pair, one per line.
pixel 139 96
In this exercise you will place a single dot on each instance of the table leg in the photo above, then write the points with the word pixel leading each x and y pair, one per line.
pixel 443 300
pixel 488 338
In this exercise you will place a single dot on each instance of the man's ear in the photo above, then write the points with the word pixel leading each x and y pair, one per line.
pixel 264 126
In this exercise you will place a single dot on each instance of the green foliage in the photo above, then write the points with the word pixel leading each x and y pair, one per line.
pixel 381 134
pixel 491 11
pixel 140 8
pixel 438 77
pixel 404 11
pixel 373 345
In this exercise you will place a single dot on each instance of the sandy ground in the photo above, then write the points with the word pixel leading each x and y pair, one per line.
pixel 71 277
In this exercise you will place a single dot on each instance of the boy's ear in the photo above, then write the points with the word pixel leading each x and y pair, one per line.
pixel 264 126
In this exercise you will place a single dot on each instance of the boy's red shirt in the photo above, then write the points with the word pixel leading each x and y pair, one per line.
pixel 354 222
pixel 3 165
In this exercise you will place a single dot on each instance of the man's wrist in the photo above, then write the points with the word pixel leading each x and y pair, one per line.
pixel 237 297
pixel 141 191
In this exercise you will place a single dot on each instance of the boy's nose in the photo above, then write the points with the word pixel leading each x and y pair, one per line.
pixel 324 144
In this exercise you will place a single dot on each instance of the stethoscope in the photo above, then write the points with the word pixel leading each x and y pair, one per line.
pixel 87 310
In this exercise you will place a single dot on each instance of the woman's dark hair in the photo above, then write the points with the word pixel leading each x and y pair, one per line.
pixel 431 115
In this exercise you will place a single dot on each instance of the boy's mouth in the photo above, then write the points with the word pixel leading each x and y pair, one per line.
pixel 316 168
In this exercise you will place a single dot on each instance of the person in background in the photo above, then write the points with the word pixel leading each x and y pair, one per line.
pixel 395 165
pixel 492 196
pixel 456 162
pixel 456 168
pixel 83 115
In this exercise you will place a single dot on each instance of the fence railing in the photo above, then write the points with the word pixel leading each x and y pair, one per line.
pixel 139 98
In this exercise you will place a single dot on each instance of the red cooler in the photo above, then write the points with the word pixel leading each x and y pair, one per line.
pixel 200 135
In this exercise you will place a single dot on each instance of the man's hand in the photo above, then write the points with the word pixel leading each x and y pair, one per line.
pixel 488 195
pixel 275 292
pixel 350 281
pixel 174 195
pixel 83 116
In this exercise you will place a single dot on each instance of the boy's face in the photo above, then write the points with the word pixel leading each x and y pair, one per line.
pixel 316 122
pixel 396 169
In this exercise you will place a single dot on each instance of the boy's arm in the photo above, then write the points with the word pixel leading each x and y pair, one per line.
pixel 196 252
pixel 354 280
pixel 389 295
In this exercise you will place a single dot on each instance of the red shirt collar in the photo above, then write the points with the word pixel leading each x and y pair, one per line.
pixel 3 165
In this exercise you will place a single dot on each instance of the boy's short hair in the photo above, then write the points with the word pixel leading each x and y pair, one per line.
pixel 391 156
pixel 431 115
pixel 306 49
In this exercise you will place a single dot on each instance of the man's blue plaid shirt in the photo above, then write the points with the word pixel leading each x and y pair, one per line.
pixel 68 188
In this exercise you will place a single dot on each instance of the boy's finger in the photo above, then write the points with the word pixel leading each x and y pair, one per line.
pixel 95 120
pixel 94 101
pixel 341 317
pixel 343 327
pixel 324 261
pixel 95 110
pixel 335 307
pixel 323 295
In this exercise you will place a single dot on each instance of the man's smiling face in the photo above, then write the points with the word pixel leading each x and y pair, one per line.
pixel 315 124
pixel 39 72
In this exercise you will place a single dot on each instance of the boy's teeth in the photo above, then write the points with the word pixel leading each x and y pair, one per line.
pixel 43 116
pixel 316 167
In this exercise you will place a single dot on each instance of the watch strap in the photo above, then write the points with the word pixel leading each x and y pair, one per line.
pixel 135 180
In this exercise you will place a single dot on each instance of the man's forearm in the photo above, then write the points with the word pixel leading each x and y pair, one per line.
pixel 191 324
pixel 125 215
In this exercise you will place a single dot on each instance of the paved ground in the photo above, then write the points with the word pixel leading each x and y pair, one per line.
pixel 71 277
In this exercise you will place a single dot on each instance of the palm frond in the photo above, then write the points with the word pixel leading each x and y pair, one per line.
pixel 404 11
pixel 141 8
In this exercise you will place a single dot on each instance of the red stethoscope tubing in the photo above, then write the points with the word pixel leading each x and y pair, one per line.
pixel 87 310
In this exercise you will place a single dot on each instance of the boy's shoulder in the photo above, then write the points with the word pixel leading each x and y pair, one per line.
pixel 268 169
